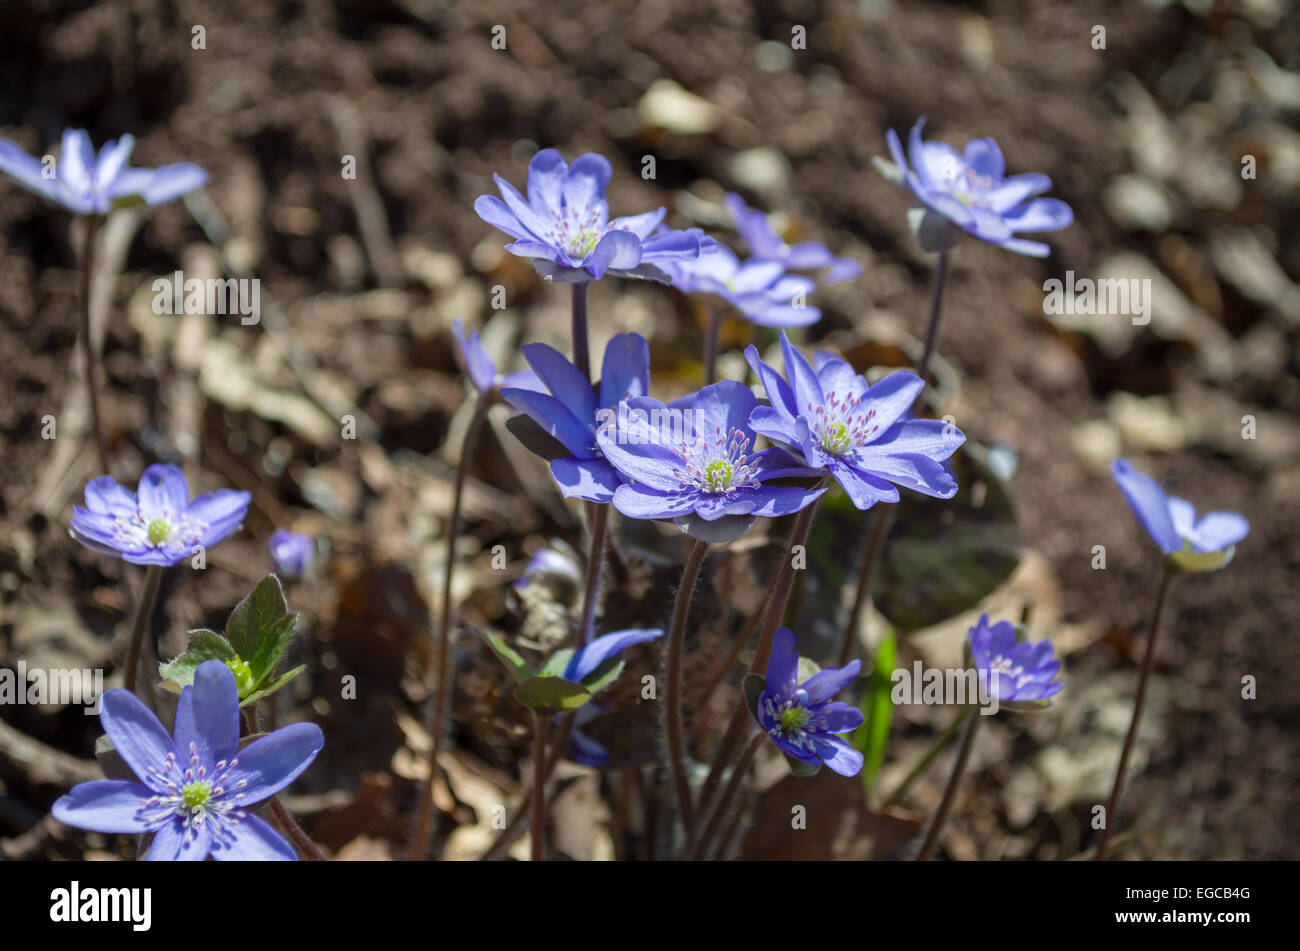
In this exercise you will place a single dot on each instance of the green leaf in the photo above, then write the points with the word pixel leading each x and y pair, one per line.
pixel 1198 561
pixel 129 201
pixel 204 645
pixel 551 693
pixel 877 710
pixel 934 232
pixel 753 686
pixel 270 647
pixel 517 666
pixel 555 664
pixel 256 615
pixel 535 439
pixel 604 675
pixel 273 686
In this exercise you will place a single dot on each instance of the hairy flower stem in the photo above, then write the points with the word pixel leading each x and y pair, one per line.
pixel 880 530
pixel 932 323
pixel 90 232
pixel 918 769
pixel 711 345
pixel 539 785
pixel 597 525
pixel 148 598
pixel 439 703
pixel 514 827
pixel 676 638
pixel 581 354
pixel 780 598
pixel 875 544
pixel 1148 662
pixel 715 816
pixel 950 791
pixel 283 817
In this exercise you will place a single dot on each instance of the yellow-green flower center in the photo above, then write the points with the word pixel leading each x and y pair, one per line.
pixel 795 718
pixel 718 475
pixel 159 530
pixel 243 675
pixel 836 439
pixel 585 242
pixel 196 794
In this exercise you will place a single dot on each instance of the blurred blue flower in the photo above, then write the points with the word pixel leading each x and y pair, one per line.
pixel 758 288
pixel 195 788
pixel 1171 522
pixel 158 524
pixel 86 185
pixel 293 554
pixel 481 370
pixel 765 244
pixel 971 189
pixel 1016 671
pixel 564 227
pixel 803 718
pixel 860 433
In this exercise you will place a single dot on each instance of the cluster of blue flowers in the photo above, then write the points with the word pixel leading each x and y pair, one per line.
pixel 712 462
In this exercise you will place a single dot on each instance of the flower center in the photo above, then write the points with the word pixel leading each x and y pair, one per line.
pixel 159 531
pixel 795 718
pixel 717 465
pixel 841 423
pixel 196 795
pixel 584 243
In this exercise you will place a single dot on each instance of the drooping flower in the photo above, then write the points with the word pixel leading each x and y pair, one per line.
pixel 759 289
pixel 1016 671
pixel 86 185
pixel 803 718
pixel 1172 523
pixel 860 433
pixel 583 750
pixel 565 229
pixel 765 244
pixel 972 190
pixel 158 524
pixel 479 367
pixel 573 410
pixel 195 788
pixel 587 658
pixel 292 553
pixel 701 461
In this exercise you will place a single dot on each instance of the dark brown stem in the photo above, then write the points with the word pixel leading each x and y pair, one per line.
pixel 514 827
pixel 283 817
pixel 148 597
pixel 875 544
pixel 711 344
pixel 439 702
pixel 598 524
pixel 932 323
pixel 781 589
pixel 950 791
pixel 581 355
pixel 919 768
pixel 673 715
pixel 719 810
pixel 1148 662
pixel 90 231
pixel 539 786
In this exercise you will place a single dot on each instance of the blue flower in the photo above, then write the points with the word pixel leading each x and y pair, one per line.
pixel 586 659
pixel 803 718
pixel 1171 522
pixel 550 563
pixel 86 185
pixel 159 524
pixel 572 411
pixel 1016 672
pixel 195 788
pixel 972 191
pixel 759 289
pixel 479 367
pixel 565 229
pixel 583 750
pixel 701 461
pixel 292 553
pixel 765 244
pixel 859 433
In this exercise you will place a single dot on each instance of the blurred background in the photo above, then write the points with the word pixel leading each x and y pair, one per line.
pixel 360 279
